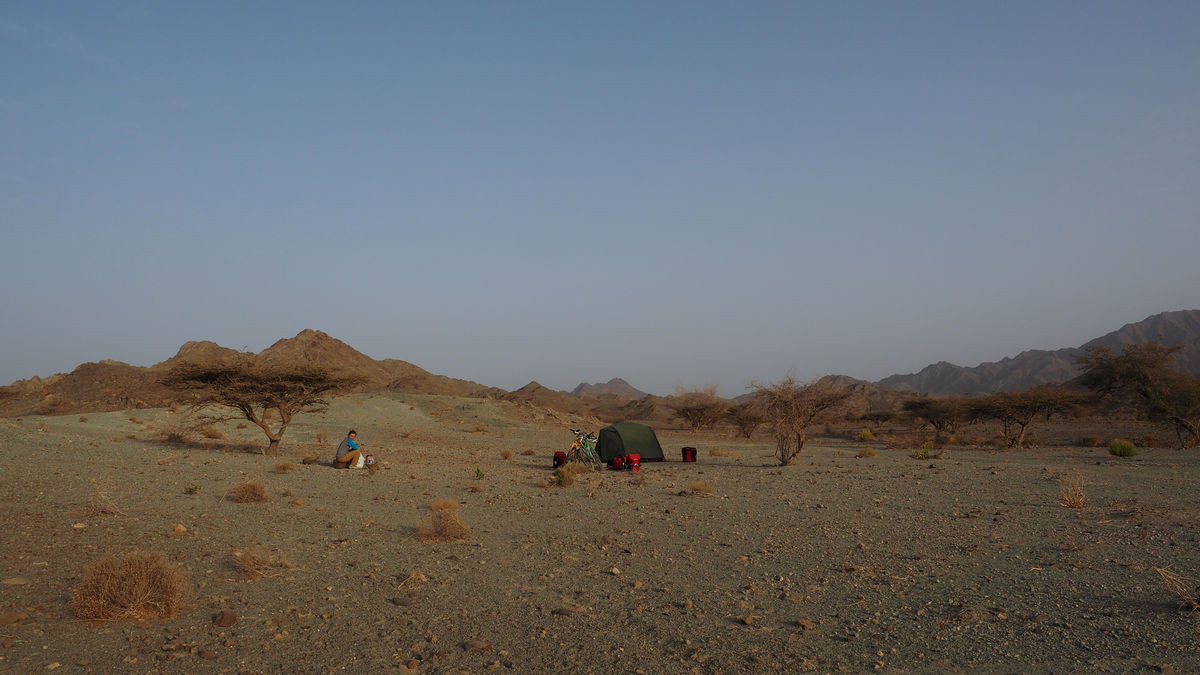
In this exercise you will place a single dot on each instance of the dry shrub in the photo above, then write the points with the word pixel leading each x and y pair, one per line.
pixel 242 425
pixel 1090 442
pixel 248 492
pixel 82 419
pixel 41 426
pixel 140 586
pixel 284 467
pixel 478 427
pixel 866 452
pixel 173 433
pixel 506 454
pixel 723 453
pixel 564 476
pixel 1185 589
pixel 444 505
pixel 211 432
pixel 701 489
pixel 1071 490
pixel 135 420
pixel 528 453
pixel 1122 448
pixel 256 562
pixel 442 526
pixel 865 436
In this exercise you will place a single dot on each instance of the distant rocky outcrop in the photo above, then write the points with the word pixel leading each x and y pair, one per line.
pixel 1037 367
pixel 615 387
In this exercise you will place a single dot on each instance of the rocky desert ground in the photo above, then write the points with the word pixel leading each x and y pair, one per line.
pixel 968 561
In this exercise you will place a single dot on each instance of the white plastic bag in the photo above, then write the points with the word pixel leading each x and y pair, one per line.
pixel 358 463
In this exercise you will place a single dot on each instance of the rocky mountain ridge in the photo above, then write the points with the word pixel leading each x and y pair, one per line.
pixel 1036 367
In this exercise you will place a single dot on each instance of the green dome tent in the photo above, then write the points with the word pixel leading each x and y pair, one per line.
pixel 627 438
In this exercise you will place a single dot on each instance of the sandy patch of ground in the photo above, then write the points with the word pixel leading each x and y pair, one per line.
pixel 839 562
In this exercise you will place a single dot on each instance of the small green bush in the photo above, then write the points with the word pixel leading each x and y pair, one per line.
pixel 865 436
pixel 1122 448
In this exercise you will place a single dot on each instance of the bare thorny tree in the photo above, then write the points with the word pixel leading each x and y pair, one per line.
pixel 247 390
pixel 790 408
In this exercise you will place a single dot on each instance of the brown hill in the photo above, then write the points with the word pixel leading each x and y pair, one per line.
pixel 542 397
pixel 1036 367
pixel 615 387
pixel 112 385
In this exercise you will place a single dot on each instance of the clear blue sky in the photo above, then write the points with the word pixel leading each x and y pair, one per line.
pixel 676 193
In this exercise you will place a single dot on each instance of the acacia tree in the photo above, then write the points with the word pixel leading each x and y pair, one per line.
pixel 790 408
pixel 699 408
pixel 746 416
pixel 1142 376
pixel 943 413
pixel 247 390
pixel 1016 410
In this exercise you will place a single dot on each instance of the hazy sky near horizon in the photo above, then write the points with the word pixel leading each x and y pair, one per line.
pixel 676 193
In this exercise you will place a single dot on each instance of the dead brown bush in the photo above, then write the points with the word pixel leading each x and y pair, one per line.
pixel 478 428
pixel 506 454
pixel 701 489
pixel 284 467
pixel 442 526
pixel 140 586
pixel 248 492
pixel 211 432
pixel 528 453
pixel 443 505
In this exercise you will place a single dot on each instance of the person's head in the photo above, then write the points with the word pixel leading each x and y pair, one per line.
pixel 351 434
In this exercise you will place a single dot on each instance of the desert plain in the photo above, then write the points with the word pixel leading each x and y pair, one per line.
pixel 967 561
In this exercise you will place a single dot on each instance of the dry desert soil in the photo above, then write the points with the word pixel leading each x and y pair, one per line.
pixel 964 562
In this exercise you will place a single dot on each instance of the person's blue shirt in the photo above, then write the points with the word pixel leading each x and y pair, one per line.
pixel 351 443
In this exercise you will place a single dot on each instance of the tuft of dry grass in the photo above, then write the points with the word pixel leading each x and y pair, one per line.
pixel 284 467
pixel 101 504
pixel 866 452
pixel 1186 590
pixel 478 428
pixel 140 586
pixel 1071 490
pixel 444 525
pixel 701 489
pixel 528 453
pixel 82 419
pixel 564 476
pixel 211 432
pixel 256 562
pixel 248 492
pixel 506 454
pixel 443 505
pixel 415 578
pixel 864 436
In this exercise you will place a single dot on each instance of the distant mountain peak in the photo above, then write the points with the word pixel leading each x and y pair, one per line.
pixel 614 387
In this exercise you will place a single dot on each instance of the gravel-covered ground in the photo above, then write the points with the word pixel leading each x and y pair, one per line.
pixel 967 562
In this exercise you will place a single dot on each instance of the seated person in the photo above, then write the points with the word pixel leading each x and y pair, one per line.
pixel 347 451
